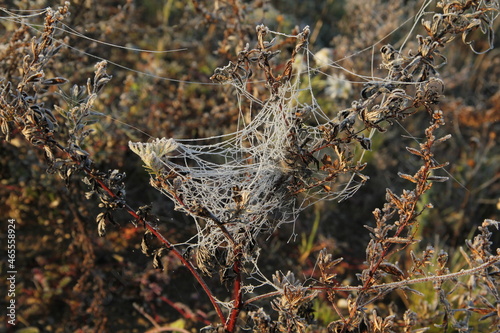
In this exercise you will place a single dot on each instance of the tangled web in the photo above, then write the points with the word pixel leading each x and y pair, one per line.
pixel 249 181
pixel 289 153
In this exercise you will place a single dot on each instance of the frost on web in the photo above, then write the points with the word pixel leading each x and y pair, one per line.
pixel 282 160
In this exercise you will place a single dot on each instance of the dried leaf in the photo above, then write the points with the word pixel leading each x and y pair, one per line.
pixel 366 143
pixel 414 151
pixel 392 269
pixel 399 240
pixel 408 177
pixel 444 138
pixel 145 246
pixel 393 198
pixel 438 179
pixel 326 160
pixel 101 228
pixel 157 260
pixel 54 81
pixel 35 77
pixel 439 166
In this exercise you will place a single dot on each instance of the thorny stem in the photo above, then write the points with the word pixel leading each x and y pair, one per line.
pixel 186 263
pixel 237 293
pixel 170 247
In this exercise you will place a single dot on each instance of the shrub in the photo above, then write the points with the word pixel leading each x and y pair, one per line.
pixel 281 146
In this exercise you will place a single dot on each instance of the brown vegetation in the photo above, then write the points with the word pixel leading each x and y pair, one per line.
pixel 275 130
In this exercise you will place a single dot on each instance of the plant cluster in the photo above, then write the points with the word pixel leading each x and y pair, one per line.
pixel 286 154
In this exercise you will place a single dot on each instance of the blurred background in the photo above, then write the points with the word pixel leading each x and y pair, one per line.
pixel 70 280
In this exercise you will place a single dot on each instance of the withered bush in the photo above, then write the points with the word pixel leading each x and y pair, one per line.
pixel 277 129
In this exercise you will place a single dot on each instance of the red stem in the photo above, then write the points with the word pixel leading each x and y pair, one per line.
pixel 169 246
pixel 237 296
pixel 184 313
pixel 160 237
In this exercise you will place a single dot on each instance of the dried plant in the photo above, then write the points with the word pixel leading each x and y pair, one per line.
pixel 286 154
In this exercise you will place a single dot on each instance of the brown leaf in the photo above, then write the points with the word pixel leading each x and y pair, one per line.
pixel 407 177
pixel 414 151
pixel 54 81
pixel 392 269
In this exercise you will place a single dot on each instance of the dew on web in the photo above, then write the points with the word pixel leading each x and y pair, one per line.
pixel 286 154
pixel 266 172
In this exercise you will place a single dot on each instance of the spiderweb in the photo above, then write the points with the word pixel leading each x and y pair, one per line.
pixel 287 153
pixel 290 153
pixel 263 174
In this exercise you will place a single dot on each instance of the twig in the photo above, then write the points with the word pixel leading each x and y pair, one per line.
pixel 184 313
pixel 147 316
pixel 155 232
pixel 392 285
pixel 237 295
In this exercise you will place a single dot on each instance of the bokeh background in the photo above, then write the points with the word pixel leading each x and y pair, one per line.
pixel 70 280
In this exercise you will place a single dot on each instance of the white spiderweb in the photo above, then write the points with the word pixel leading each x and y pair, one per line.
pixel 290 153
pixel 234 180
pixel 247 181
pixel 265 173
